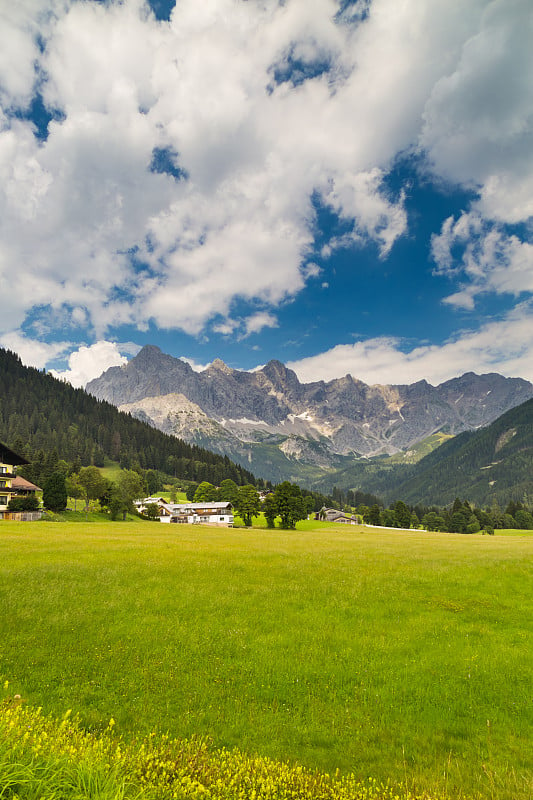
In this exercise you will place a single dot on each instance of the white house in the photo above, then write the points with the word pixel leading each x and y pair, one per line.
pixel 218 514
pixel 11 485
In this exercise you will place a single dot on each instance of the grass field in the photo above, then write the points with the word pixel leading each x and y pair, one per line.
pixel 401 656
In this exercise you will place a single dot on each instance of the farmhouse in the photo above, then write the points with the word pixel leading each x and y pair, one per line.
pixel 334 515
pixel 10 485
pixel 219 514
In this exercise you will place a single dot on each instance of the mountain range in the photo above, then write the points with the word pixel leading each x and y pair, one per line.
pixel 282 429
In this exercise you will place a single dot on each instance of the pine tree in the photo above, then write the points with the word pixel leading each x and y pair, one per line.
pixel 55 492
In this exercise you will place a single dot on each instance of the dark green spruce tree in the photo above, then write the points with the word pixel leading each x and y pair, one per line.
pixel 55 492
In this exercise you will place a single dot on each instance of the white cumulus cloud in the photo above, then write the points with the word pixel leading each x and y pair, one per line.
pixel 504 346
pixel 490 260
pixel 194 364
pixel 32 352
pixel 261 108
pixel 478 119
pixel 89 362
pixel 256 322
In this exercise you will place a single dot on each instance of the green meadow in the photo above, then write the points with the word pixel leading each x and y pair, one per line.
pixel 393 655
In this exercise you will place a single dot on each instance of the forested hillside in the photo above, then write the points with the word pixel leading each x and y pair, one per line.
pixel 491 465
pixel 494 464
pixel 41 416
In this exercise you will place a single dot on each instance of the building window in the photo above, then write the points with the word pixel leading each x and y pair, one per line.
pixel 3 499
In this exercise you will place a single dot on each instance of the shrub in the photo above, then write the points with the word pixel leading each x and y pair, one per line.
pixel 23 503
pixel 152 511
pixel 524 519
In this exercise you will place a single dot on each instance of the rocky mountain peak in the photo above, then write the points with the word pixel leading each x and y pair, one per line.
pixel 345 381
pixel 280 375
pixel 148 354
pixel 220 366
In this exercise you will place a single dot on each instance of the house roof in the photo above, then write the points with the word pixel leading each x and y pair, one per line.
pixel 177 508
pixel 196 506
pixel 7 456
pixel 21 483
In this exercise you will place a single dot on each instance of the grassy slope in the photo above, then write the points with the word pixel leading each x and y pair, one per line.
pixel 111 471
pixel 421 449
pixel 386 653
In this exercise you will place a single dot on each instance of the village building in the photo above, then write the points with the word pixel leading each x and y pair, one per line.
pixel 208 513
pixel 12 485
pixel 24 488
pixel 334 515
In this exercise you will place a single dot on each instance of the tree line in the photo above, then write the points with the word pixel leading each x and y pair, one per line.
pixel 285 503
pixel 460 517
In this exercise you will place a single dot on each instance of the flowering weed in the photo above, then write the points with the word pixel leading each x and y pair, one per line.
pixel 43 757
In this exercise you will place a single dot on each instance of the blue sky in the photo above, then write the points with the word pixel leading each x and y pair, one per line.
pixel 346 187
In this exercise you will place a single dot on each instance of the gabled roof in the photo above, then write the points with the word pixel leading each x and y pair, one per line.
pixel 21 483
pixel 215 506
pixel 7 456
